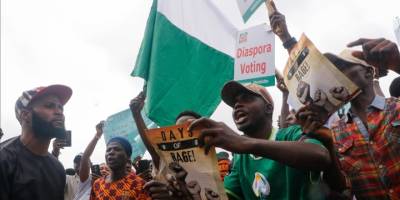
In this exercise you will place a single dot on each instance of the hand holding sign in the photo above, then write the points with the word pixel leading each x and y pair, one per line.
pixel 217 134
pixel 179 148
pixel 281 82
pixel 159 190
pixel 277 21
pixel 311 118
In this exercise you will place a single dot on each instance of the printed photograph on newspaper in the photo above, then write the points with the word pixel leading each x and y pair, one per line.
pixel 312 78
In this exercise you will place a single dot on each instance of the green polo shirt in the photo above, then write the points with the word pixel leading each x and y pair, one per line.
pixel 257 178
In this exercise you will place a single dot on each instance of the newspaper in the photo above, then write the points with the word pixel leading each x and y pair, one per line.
pixel 177 144
pixel 311 78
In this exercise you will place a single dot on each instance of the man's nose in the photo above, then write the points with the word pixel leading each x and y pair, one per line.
pixel 59 110
pixel 111 152
pixel 238 104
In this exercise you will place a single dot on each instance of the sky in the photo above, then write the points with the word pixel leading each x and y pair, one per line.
pixel 91 45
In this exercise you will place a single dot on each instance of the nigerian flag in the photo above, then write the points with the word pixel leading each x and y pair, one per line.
pixel 185 57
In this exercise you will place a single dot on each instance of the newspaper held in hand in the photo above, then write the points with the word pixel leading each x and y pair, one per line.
pixel 175 144
pixel 312 79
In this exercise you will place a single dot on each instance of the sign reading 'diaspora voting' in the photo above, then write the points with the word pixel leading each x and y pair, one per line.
pixel 255 56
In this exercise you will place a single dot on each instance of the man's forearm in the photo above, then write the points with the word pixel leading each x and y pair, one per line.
pixel 141 126
pixel 286 41
pixel 333 175
pixel 300 155
pixel 84 169
pixel 284 111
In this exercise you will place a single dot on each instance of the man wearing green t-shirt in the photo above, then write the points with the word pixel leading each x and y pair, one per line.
pixel 264 166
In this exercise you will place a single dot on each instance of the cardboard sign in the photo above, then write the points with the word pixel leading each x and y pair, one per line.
pixel 248 7
pixel 255 56
pixel 310 78
pixel 176 144
pixel 397 29
pixel 122 124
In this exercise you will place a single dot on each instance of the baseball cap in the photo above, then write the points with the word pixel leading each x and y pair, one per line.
pixel 61 91
pixel 233 88
pixel 345 59
pixel 222 155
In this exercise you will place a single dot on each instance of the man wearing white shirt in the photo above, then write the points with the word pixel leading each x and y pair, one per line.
pixel 85 184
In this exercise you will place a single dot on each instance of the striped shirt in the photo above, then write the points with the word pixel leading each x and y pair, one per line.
pixel 370 154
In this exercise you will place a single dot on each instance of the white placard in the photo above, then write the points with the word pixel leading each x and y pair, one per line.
pixel 255 56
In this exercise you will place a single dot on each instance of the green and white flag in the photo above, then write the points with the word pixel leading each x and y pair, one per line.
pixel 186 56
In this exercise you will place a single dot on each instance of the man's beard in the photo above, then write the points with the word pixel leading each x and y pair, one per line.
pixel 46 130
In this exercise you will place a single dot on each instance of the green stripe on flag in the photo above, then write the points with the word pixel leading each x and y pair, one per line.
pixel 182 73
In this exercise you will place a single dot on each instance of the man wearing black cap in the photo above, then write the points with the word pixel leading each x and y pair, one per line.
pixel 27 169
pixel 265 165
pixel 120 184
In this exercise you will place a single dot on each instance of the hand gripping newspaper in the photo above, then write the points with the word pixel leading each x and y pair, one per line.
pixel 177 145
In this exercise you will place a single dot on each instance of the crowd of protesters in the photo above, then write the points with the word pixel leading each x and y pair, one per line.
pixel 353 154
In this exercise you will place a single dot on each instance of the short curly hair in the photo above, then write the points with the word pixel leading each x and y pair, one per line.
pixel 188 113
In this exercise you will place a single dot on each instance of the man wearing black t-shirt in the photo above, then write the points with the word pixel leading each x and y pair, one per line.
pixel 27 169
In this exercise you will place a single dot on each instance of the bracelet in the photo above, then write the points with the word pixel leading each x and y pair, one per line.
pixel 289 44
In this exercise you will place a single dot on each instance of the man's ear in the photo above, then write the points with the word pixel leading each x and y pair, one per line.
pixel 269 109
pixel 370 74
pixel 26 116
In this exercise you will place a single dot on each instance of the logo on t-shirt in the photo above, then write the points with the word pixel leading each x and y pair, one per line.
pixel 261 186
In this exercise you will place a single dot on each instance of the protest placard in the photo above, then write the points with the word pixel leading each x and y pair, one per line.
pixel 177 144
pixel 248 7
pixel 255 56
pixel 122 124
pixel 397 29
pixel 310 76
